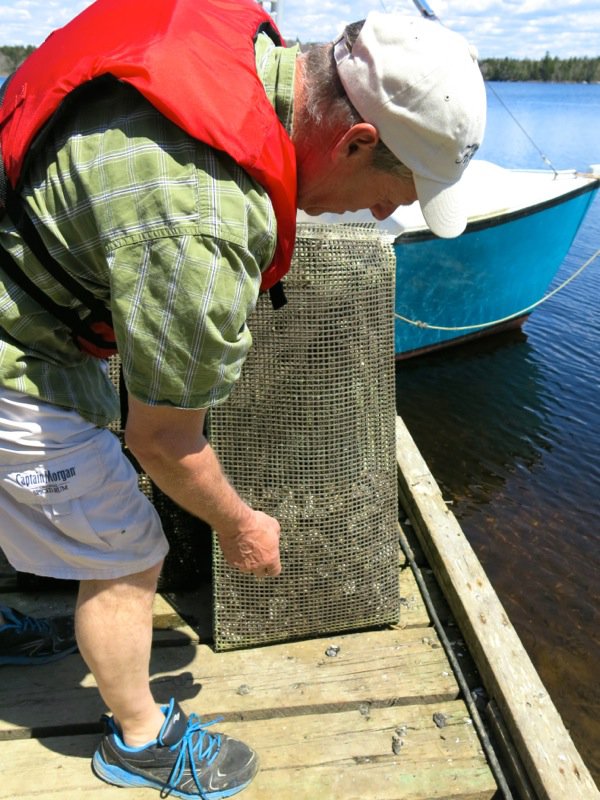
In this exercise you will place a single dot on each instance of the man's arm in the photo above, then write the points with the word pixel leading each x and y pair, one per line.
pixel 170 445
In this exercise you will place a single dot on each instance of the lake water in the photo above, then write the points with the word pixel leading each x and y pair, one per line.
pixel 510 427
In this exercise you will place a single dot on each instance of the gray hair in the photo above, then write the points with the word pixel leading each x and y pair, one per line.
pixel 327 105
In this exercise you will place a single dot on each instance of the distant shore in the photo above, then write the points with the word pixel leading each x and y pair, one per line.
pixel 549 69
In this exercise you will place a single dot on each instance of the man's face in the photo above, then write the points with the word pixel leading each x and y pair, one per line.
pixel 371 188
pixel 341 178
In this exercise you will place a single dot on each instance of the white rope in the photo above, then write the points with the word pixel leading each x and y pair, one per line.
pixel 520 313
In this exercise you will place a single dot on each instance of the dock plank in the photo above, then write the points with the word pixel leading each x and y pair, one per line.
pixel 413 613
pixel 387 754
pixel 372 668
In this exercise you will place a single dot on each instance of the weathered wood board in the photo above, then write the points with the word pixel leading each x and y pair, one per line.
pixel 373 668
pixel 385 754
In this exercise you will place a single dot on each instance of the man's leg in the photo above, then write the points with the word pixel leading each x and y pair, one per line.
pixel 175 754
pixel 113 624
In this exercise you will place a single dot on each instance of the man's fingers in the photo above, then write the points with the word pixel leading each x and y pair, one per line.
pixel 254 548
pixel 268 571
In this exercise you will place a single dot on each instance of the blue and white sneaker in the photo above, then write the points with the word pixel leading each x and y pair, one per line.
pixel 185 760
pixel 27 640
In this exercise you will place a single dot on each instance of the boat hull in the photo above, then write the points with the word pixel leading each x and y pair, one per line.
pixel 509 325
pixel 485 280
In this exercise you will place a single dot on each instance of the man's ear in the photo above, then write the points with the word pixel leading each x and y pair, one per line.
pixel 357 142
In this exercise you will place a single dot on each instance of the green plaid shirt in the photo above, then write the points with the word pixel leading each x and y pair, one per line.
pixel 170 233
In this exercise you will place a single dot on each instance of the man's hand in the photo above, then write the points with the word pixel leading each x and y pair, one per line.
pixel 170 445
pixel 254 547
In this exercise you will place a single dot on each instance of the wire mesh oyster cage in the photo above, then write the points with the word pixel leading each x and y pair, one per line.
pixel 307 435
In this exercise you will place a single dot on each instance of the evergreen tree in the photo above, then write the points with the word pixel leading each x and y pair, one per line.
pixel 549 69
pixel 13 55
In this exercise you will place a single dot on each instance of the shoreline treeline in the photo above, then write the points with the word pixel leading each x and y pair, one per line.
pixel 13 55
pixel 549 68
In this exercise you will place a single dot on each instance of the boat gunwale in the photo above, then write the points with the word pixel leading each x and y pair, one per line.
pixel 494 220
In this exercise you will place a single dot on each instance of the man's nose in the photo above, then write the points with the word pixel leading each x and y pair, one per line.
pixel 382 210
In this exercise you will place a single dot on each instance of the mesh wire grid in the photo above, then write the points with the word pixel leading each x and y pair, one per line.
pixel 307 435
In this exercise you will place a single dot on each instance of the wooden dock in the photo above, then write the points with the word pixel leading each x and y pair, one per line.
pixel 377 715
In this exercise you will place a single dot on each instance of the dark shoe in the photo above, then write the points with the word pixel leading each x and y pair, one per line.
pixel 27 640
pixel 184 761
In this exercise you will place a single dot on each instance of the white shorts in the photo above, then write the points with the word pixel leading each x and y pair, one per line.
pixel 69 498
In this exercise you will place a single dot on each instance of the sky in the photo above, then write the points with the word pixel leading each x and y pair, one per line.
pixel 497 28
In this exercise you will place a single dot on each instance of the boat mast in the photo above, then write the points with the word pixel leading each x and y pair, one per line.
pixel 274 8
pixel 425 9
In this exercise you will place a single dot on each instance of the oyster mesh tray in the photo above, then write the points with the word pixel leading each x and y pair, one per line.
pixel 307 435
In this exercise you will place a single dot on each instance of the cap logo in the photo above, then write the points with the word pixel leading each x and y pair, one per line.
pixel 467 154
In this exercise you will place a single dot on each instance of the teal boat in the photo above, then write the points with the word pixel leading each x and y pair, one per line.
pixel 521 225
pixel 490 278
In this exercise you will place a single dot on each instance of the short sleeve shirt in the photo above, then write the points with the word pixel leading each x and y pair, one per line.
pixel 170 233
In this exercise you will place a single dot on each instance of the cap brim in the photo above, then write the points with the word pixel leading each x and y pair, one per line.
pixel 444 206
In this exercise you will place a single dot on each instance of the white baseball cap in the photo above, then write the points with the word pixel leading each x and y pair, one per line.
pixel 420 85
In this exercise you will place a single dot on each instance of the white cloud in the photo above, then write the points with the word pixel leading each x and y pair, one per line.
pixel 30 21
pixel 513 28
pixel 10 15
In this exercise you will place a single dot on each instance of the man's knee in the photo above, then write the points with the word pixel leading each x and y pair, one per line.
pixel 137 583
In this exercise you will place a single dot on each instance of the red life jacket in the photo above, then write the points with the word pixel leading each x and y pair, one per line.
pixel 194 61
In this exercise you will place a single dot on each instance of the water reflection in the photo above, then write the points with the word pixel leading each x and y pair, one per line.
pixel 478 413
pixel 556 120
pixel 507 444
